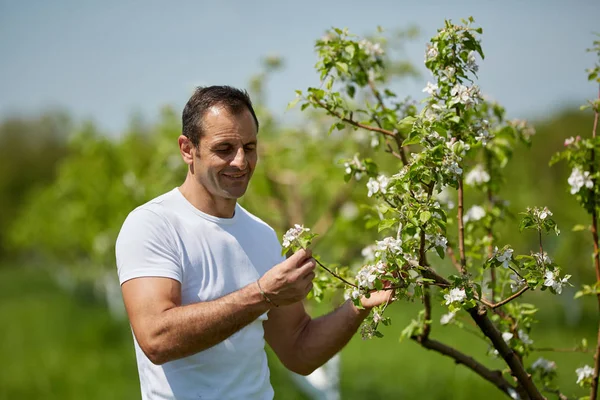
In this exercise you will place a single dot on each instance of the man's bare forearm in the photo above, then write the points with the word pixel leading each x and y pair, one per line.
pixel 323 337
pixel 185 330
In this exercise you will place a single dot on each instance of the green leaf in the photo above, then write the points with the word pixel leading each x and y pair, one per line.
pixel 440 251
pixel 425 216
pixel 342 66
pixel 293 103
pixel 350 50
pixel 578 228
pixel 386 224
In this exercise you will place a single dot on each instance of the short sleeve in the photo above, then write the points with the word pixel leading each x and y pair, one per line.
pixel 146 247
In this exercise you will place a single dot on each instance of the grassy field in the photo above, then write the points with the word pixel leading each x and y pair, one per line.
pixel 57 346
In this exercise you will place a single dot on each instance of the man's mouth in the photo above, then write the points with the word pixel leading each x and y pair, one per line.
pixel 236 175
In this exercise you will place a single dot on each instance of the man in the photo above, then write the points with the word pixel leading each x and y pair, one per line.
pixel 203 281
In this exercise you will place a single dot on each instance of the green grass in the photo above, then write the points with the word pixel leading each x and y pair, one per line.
pixel 58 346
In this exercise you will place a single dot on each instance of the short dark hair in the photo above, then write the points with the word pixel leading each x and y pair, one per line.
pixel 232 99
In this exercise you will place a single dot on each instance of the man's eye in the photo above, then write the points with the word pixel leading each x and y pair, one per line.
pixel 250 148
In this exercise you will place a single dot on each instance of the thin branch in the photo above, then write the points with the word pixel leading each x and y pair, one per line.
pixel 509 299
pixel 461 228
pixel 354 123
pixel 336 275
pixel 490 233
pixel 399 138
pixel 594 388
pixel 552 349
pixel 450 252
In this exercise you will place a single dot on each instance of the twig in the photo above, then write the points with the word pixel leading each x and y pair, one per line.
pixel 461 228
pixel 573 350
pixel 594 388
pixel 452 256
pixel 336 275
pixel 508 299
pixel 355 123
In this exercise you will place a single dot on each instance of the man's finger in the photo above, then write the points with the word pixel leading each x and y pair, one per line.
pixel 300 256
pixel 306 268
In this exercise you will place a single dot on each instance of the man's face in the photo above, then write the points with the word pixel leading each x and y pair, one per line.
pixel 227 154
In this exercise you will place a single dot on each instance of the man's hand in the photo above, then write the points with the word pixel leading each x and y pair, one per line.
pixel 290 281
pixel 377 298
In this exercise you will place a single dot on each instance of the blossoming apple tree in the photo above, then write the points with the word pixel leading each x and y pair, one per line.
pixel 456 143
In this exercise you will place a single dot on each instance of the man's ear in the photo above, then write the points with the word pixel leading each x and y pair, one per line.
pixel 187 149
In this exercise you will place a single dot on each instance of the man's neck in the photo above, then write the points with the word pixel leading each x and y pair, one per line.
pixel 204 201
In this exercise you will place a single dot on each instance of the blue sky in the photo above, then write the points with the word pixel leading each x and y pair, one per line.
pixel 107 59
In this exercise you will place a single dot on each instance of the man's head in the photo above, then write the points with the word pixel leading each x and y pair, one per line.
pixel 219 142
pixel 231 99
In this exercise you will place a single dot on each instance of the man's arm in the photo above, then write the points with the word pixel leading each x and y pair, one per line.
pixel 166 330
pixel 303 344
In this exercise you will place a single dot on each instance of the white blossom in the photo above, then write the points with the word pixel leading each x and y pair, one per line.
pixel 465 95
pixel 370 48
pixel 542 213
pixel 506 336
pixel 544 365
pixel 451 167
pixel 369 252
pixel 542 259
pixel 377 317
pixel 524 337
pixel 504 257
pixel 579 179
pixel 471 62
pixel 432 52
pixel 448 74
pixel 571 140
pixel 483 135
pixel 293 234
pixel 447 318
pixel 513 394
pixel 521 125
pixel 430 88
pixel 584 373
pixel 516 282
pixel 477 176
pixel 378 185
pixel 389 244
pixel 438 240
pixel 455 295
pixel 374 141
pixel 356 165
pixel 474 213
pixel 368 274
pixel 551 279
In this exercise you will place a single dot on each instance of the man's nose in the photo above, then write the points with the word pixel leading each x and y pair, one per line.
pixel 240 160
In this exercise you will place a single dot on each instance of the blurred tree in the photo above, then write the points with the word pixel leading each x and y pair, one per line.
pixel 30 148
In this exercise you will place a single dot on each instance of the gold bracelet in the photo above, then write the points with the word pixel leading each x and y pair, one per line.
pixel 264 294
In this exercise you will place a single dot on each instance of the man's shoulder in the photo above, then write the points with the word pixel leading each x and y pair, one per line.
pixel 252 219
pixel 157 212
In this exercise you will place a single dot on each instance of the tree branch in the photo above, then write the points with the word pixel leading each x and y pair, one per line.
pixel 509 356
pixel 494 377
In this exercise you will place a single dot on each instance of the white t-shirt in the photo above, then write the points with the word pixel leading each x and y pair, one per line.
pixel 211 257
